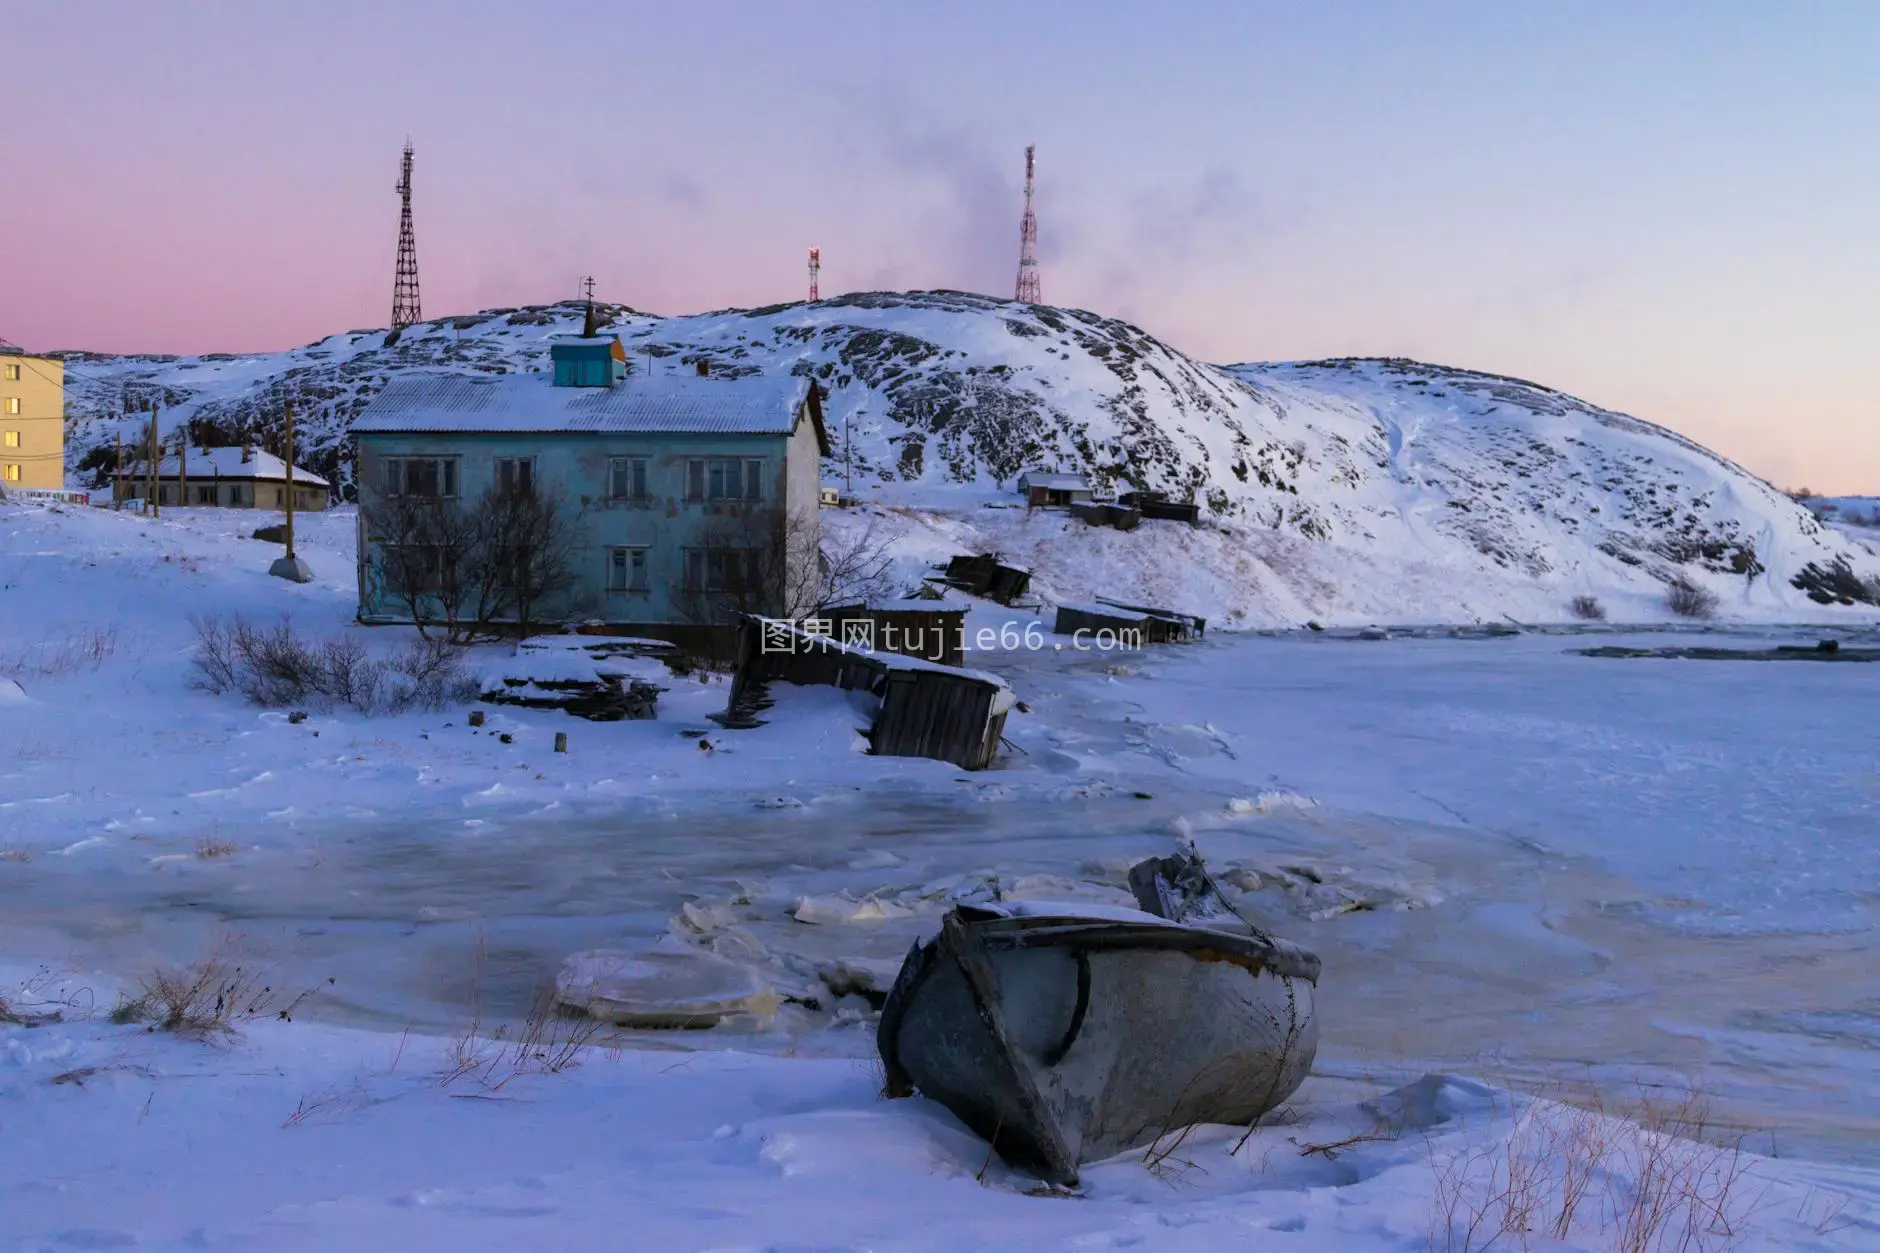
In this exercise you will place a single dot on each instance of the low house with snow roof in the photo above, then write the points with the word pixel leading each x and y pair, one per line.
pixel 686 499
pixel 1053 488
pixel 226 478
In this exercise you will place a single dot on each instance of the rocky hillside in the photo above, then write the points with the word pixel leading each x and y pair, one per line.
pixel 944 390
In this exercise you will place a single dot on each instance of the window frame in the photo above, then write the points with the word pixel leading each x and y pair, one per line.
pixel 708 480
pixel 511 464
pixel 702 564
pixel 639 474
pixel 637 579
pixel 398 476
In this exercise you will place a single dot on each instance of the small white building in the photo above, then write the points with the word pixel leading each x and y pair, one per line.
pixel 1049 488
pixel 229 478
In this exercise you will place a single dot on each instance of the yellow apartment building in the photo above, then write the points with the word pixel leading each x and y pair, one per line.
pixel 32 421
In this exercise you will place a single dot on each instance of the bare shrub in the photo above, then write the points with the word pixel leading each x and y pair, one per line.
pixel 209 999
pixel 1589 608
pixel 1689 600
pixel 854 567
pixel 57 659
pixel 1646 1178
pixel 15 854
pixel 275 666
pixel 209 850
pixel 550 1040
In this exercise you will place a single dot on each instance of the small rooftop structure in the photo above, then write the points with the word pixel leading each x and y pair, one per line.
pixel 518 403
pixel 1048 488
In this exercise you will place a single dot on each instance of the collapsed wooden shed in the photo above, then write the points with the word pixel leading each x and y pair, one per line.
pixel 934 630
pixel 984 575
pixel 1128 626
pixel 1157 505
pixel 925 709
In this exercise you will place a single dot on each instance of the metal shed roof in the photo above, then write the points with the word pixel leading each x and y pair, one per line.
pixel 529 403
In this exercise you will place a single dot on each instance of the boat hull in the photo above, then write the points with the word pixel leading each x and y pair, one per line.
pixel 1066 1040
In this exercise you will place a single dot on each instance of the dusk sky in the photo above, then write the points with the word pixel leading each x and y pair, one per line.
pixel 1672 210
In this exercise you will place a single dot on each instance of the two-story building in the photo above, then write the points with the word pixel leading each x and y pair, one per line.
pixel 687 498
pixel 32 421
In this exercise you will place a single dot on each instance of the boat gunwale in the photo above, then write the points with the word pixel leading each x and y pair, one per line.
pixel 1254 952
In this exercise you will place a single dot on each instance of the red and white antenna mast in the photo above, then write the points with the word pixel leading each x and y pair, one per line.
pixel 815 271
pixel 1028 242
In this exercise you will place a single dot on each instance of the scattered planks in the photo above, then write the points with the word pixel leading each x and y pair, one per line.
pixel 926 709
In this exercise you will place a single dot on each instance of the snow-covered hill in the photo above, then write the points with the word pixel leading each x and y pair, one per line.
pixel 1489 495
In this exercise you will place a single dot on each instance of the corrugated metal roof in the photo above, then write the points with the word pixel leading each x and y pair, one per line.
pixel 1053 478
pixel 530 403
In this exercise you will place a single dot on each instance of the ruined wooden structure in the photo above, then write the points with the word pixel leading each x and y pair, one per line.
pixel 924 709
pixel 934 630
pixel 1096 513
pixel 1157 505
pixel 1132 625
pixel 984 575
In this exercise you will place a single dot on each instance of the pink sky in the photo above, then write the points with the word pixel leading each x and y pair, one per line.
pixel 1667 213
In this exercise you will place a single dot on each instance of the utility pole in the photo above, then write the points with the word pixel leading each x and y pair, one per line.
pixel 182 465
pixel 151 467
pixel 290 566
pixel 117 472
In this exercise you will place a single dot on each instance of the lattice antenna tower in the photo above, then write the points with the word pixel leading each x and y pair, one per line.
pixel 405 306
pixel 1027 290
pixel 815 273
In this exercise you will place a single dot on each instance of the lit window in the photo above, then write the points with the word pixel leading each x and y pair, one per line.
pixel 13 404
pixel 626 570
pixel 627 478
pixel 10 440
pixel 13 374
pixel 10 473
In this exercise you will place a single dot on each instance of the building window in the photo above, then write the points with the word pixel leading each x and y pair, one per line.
pixel 434 477
pixel 205 495
pixel 626 478
pixel 13 404
pixel 13 374
pixel 10 473
pixel 724 478
pixel 515 474
pixel 413 568
pixel 10 440
pixel 721 569
pixel 626 570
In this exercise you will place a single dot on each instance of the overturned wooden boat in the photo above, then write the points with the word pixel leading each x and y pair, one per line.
pixel 1065 1035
